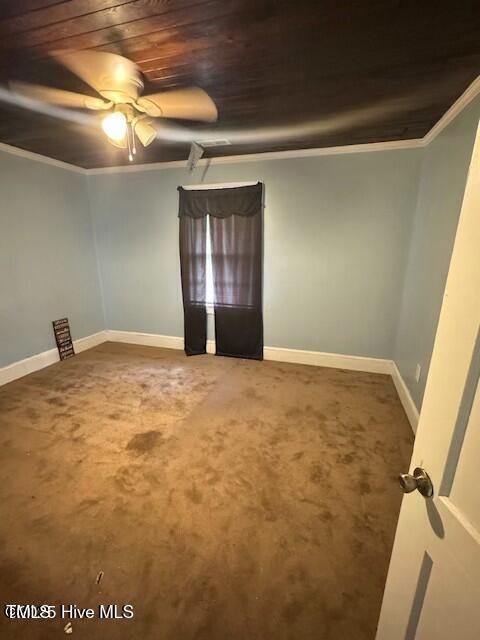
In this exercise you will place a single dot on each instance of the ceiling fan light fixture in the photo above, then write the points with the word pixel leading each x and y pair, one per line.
pixel 128 117
pixel 144 131
pixel 115 126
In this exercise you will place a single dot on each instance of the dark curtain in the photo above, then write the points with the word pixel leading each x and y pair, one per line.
pixel 237 279
pixel 236 228
pixel 193 235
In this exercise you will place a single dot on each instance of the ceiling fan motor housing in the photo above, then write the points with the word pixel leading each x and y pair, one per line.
pixel 127 110
pixel 128 95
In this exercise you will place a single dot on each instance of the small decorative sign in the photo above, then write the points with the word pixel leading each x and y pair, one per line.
pixel 61 328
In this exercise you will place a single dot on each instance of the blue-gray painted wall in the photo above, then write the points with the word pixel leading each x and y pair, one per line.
pixel 336 240
pixel 48 267
pixel 442 184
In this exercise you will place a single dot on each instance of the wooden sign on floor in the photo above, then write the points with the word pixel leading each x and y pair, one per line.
pixel 61 328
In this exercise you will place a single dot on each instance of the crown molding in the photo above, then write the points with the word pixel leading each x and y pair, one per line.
pixel 268 155
pixel 457 107
pixel 30 155
pixel 415 143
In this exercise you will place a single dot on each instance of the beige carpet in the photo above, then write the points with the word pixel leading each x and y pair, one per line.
pixel 224 499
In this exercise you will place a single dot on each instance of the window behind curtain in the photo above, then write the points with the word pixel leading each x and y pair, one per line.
pixel 209 290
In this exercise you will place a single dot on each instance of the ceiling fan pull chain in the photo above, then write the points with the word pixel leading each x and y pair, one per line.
pixel 134 146
pixel 130 156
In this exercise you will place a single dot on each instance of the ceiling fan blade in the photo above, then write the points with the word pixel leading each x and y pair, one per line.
pixel 113 76
pixel 184 104
pixel 145 132
pixel 59 96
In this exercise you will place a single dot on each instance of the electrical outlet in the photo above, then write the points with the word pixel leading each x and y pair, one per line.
pixel 418 371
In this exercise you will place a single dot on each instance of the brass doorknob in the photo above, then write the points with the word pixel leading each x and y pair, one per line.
pixel 419 480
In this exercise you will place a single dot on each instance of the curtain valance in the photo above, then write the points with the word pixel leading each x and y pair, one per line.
pixel 220 203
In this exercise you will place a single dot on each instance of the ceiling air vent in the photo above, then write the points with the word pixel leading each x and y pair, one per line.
pixel 214 142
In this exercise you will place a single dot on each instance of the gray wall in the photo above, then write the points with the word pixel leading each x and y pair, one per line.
pixel 48 267
pixel 442 183
pixel 336 240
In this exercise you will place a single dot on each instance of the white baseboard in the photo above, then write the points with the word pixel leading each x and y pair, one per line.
pixel 334 360
pixel 279 354
pixel 82 344
pixel 151 339
pixel 28 365
pixel 46 358
pixel 210 346
pixel 405 397
pixel 145 339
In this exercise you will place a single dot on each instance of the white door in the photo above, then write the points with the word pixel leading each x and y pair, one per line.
pixel 433 584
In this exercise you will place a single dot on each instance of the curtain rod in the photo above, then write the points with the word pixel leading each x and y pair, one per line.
pixel 219 185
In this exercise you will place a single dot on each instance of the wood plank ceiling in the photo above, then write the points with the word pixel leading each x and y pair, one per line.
pixel 285 74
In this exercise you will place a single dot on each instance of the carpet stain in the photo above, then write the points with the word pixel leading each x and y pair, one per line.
pixel 194 495
pixel 143 443
pixel 292 611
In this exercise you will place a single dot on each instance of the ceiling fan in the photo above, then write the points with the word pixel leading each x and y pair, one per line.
pixel 119 82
